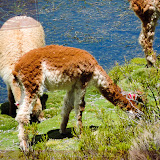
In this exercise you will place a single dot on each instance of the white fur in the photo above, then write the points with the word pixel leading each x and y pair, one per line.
pixel 99 79
pixel 53 79
pixel 14 42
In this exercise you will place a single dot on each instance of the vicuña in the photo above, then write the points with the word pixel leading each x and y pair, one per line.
pixel 18 35
pixel 62 68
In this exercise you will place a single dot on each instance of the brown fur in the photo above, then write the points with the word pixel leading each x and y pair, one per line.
pixel 58 57
pixel 114 94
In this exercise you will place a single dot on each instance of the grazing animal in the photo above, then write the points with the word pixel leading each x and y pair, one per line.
pixel 18 35
pixel 148 11
pixel 62 68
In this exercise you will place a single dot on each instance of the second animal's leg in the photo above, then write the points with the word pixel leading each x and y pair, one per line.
pixel 12 106
pixel 146 39
pixel 37 113
pixel 148 14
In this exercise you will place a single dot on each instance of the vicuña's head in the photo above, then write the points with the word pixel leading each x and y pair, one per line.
pixel 137 102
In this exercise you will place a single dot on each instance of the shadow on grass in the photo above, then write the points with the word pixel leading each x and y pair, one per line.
pixel 4 108
pixel 55 134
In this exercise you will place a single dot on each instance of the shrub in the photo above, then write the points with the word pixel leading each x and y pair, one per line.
pixel 111 140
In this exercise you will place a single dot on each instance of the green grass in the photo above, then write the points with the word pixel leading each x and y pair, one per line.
pixel 108 132
pixel 8 133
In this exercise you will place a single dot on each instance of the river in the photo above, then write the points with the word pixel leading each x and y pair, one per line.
pixel 108 29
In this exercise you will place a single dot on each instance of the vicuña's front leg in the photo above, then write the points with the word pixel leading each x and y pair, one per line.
pixel 23 137
pixel 79 115
pixel 66 109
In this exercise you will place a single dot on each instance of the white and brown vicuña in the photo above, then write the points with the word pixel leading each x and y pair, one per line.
pixel 63 68
pixel 148 11
pixel 18 35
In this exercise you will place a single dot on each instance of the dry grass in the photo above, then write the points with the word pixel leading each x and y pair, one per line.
pixel 147 144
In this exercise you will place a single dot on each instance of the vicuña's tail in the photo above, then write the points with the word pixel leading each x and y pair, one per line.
pixel 16 80
pixel 112 92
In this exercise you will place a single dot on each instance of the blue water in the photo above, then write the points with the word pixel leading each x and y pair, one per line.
pixel 107 29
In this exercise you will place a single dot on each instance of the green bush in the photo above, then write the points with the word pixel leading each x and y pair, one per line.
pixel 111 140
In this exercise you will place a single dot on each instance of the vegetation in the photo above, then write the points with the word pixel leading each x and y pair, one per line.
pixel 108 132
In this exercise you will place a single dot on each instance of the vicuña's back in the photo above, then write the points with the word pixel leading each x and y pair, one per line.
pixel 59 67
pixel 66 63
pixel 18 36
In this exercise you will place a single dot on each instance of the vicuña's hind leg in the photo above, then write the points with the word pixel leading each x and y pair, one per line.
pixel 79 105
pixel 66 109
pixel 23 116
pixel 37 113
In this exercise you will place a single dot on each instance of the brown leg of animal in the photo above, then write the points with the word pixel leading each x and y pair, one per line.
pixel 146 40
pixel 81 109
pixel 12 106
pixel 79 103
